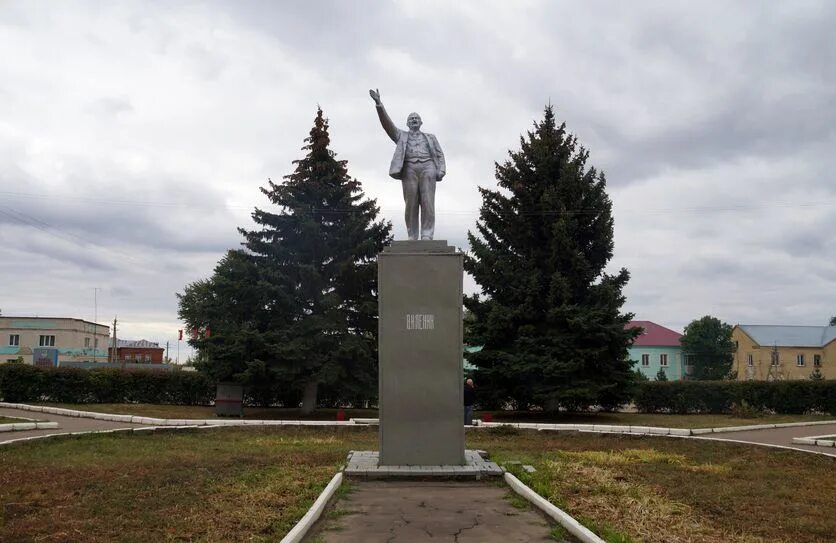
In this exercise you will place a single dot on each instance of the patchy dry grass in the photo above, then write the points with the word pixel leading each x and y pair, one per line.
pixel 253 484
pixel 206 485
pixel 631 489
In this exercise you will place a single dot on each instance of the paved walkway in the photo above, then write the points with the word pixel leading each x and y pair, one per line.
pixel 416 511
pixel 65 424
pixel 782 436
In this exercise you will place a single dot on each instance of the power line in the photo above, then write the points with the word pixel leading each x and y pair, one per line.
pixel 34 222
pixel 578 211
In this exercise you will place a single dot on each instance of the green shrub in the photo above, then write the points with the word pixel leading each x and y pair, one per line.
pixel 744 410
pixel 20 382
pixel 189 388
pixel 24 383
pixel 109 385
pixel 67 385
pixel 784 397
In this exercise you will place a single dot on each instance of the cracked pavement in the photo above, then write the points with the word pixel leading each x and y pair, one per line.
pixel 397 511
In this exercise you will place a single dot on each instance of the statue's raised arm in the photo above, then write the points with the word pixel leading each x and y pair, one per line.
pixel 385 120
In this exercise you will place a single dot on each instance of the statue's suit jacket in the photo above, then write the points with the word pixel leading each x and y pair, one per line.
pixel 399 137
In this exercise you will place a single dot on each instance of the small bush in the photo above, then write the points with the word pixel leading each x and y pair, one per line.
pixel 744 410
pixel 503 430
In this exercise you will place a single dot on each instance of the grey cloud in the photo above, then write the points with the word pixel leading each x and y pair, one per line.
pixel 208 64
pixel 672 91
pixel 111 106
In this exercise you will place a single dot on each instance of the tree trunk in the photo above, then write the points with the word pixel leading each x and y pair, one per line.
pixel 309 397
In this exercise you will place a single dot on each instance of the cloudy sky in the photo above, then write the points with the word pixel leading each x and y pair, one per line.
pixel 134 137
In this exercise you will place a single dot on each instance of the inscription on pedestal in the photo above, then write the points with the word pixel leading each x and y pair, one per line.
pixel 420 322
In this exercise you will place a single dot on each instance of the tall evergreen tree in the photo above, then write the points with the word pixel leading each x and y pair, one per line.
pixel 315 320
pixel 549 319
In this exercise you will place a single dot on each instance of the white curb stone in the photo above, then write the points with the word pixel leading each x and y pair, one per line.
pixel 304 525
pixel 584 534
pixel 23 426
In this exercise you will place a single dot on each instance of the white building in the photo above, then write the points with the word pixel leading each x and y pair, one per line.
pixel 46 341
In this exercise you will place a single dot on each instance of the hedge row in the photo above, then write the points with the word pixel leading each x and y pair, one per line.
pixel 789 397
pixel 24 383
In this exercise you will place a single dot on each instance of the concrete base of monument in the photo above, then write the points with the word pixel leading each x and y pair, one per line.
pixel 365 465
pixel 420 354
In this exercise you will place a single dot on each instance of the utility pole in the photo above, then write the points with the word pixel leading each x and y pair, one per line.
pixel 113 350
pixel 95 323
pixel 166 353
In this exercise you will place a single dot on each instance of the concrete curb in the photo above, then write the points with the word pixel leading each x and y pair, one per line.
pixel 142 429
pixel 771 445
pixel 302 527
pixel 134 419
pixel 20 426
pixel 584 534
pixel 819 441
pixel 645 430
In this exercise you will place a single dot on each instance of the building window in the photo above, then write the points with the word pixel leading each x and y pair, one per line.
pixel 14 340
pixel 87 342
pixel 663 360
pixel 645 360
pixel 147 357
pixel 46 341
pixel 816 360
pixel 774 359
pixel 96 343
pixel 799 360
pixel 750 360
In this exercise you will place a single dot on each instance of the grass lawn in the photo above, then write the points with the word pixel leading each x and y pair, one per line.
pixel 631 489
pixel 253 484
pixel 199 485
pixel 275 413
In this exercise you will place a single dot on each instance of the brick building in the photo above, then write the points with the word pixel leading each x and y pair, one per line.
pixel 138 351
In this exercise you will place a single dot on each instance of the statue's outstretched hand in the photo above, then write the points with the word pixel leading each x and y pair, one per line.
pixel 375 94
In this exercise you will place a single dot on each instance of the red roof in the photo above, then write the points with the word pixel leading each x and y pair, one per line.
pixel 654 335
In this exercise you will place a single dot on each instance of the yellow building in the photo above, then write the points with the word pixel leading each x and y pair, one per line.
pixel 767 353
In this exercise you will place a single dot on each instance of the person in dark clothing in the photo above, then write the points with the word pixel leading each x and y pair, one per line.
pixel 469 400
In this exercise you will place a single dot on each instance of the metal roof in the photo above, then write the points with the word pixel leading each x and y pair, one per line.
pixel 790 336
pixel 654 335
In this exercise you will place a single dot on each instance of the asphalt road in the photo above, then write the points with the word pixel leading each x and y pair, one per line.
pixel 782 436
pixel 65 424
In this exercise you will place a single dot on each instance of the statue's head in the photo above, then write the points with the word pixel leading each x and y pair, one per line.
pixel 414 121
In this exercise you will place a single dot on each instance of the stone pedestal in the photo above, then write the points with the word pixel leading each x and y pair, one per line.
pixel 420 354
pixel 229 400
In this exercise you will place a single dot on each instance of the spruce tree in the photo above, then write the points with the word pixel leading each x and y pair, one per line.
pixel 549 317
pixel 314 322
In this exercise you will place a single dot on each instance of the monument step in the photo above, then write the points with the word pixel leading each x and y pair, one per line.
pixel 365 465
